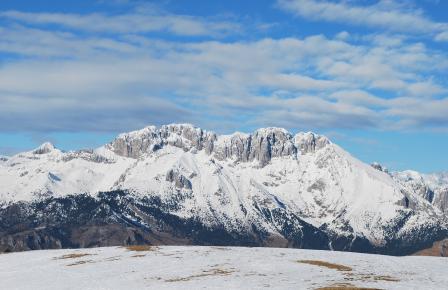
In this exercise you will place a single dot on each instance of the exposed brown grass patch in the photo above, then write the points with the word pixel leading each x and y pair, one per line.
pixel 346 288
pixel 328 265
pixel 349 276
pixel 205 273
pixel 386 278
pixel 338 286
pixel 220 248
pixel 369 277
pixel 141 248
pixel 72 256
pixel 80 263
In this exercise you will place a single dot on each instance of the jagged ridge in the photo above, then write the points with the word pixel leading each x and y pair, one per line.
pixel 264 188
pixel 263 145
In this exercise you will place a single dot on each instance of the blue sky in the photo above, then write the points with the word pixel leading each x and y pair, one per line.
pixel 371 75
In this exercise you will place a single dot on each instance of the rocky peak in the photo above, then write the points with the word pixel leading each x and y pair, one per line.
pixel 262 145
pixel 149 139
pixel 438 180
pixel 234 146
pixel 415 182
pixel 379 167
pixel 309 142
pixel 136 143
pixel 187 136
pixel 271 142
pixel 45 148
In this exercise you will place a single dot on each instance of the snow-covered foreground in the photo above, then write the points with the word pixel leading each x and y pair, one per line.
pixel 216 268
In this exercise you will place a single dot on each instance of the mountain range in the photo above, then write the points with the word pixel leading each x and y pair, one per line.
pixel 180 185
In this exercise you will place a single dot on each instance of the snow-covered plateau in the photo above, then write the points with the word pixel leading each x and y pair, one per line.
pixel 177 267
pixel 178 184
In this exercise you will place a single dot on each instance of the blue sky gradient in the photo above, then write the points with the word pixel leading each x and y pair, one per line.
pixel 369 74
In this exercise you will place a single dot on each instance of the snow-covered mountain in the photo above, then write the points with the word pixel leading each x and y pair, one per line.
pixel 432 187
pixel 179 184
pixel 3 158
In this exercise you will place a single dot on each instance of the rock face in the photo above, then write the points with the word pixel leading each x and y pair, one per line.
pixel 178 179
pixel 441 200
pixel 432 187
pixel 310 142
pixel 150 139
pixel 263 145
pixel 178 184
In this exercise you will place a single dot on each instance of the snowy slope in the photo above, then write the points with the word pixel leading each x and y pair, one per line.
pixel 270 180
pixel 216 268
pixel 46 171
pixel 3 158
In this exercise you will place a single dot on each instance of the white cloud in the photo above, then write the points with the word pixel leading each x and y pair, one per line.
pixel 295 82
pixel 387 15
pixel 61 80
pixel 42 43
pixel 417 113
pixel 132 22
pixel 442 36
pixel 358 97
pixel 343 35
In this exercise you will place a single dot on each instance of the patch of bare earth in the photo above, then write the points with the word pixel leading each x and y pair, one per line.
pixel 349 276
pixel 326 265
pixel 72 256
pixel 141 248
pixel 75 256
pixel 386 278
pixel 220 248
pixel 345 287
pixel 370 277
pixel 80 263
pixel 205 273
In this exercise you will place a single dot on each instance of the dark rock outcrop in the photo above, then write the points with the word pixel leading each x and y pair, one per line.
pixel 44 148
pixel 178 179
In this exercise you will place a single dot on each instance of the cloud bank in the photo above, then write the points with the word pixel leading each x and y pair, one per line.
pixel 385 14
pixel 99 72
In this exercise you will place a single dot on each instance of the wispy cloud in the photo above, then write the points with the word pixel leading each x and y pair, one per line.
pixel 60 80
pixel 442 36
pixel 387 15
pixel 140 21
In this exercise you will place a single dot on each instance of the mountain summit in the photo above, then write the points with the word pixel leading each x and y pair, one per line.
pixel 179 184
pixel 263 145
pixel 45 148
